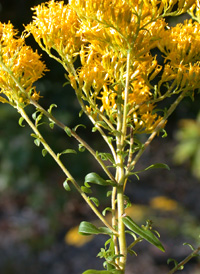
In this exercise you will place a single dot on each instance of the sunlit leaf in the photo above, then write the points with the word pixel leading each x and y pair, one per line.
pixel 87 228
pixel 144 233
pixel 94 178
pixel 66 151
pixel 158 165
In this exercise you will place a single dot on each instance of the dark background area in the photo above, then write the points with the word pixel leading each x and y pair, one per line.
pixel 36 213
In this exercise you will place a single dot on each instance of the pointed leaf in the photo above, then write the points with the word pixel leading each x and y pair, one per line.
pixel 94 178
pixel 107 157
pixel 105 210
pixel 21 119
pixel 87 228
pixel 158 165
pixel 50 108
pixel 86 189
pixel 95 201
pixel 34 115
pixel 76 127
pixel 66 151
pixel 145 234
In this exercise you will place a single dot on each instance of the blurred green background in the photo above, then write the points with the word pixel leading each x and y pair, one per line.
pixel 36 213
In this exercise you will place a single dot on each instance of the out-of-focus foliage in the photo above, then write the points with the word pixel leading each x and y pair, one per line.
pixel 188 147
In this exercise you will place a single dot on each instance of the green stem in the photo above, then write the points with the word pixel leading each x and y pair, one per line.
pixel 121 228
pixel 186 260
pixel 114 223
pixel 63 168
pixel 126 92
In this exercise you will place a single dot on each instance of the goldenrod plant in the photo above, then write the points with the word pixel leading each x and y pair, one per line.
pixel 109 50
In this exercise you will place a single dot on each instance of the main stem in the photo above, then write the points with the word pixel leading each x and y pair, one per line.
pixel 120 174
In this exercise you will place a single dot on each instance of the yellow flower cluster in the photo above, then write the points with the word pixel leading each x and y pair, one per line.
pixel 182 55
pixel 54 27
pixel 20 62
pixel 119 24
pixel 101 34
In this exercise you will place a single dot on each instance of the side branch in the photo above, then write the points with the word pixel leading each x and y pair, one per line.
pixel 186 260
pixel 64 169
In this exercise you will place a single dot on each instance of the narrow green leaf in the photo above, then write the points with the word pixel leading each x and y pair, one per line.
pixel 189 246
pixel 34 135
pixel 34 115
pixel 107 157
pixel 44 152
pixel 164 133
pixel 66 185
pixel 39 117
pixel 21 119
pixel 94 178
pixel 95 201
pixel 145 234
pixel 80 125
pixel 86 189
pixel 80 113
pixel 158 165
pixel 105 230
pixel 66 151
pixel 87 228
pixel 105 210
pixel 103 124
pixel 172 260
pixel 68 131
pixel 132 252
pixel 50 108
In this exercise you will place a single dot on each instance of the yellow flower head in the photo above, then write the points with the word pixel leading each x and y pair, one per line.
pixel 20 62
pixel 182 54
pixel 54 26
pixel 118 24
